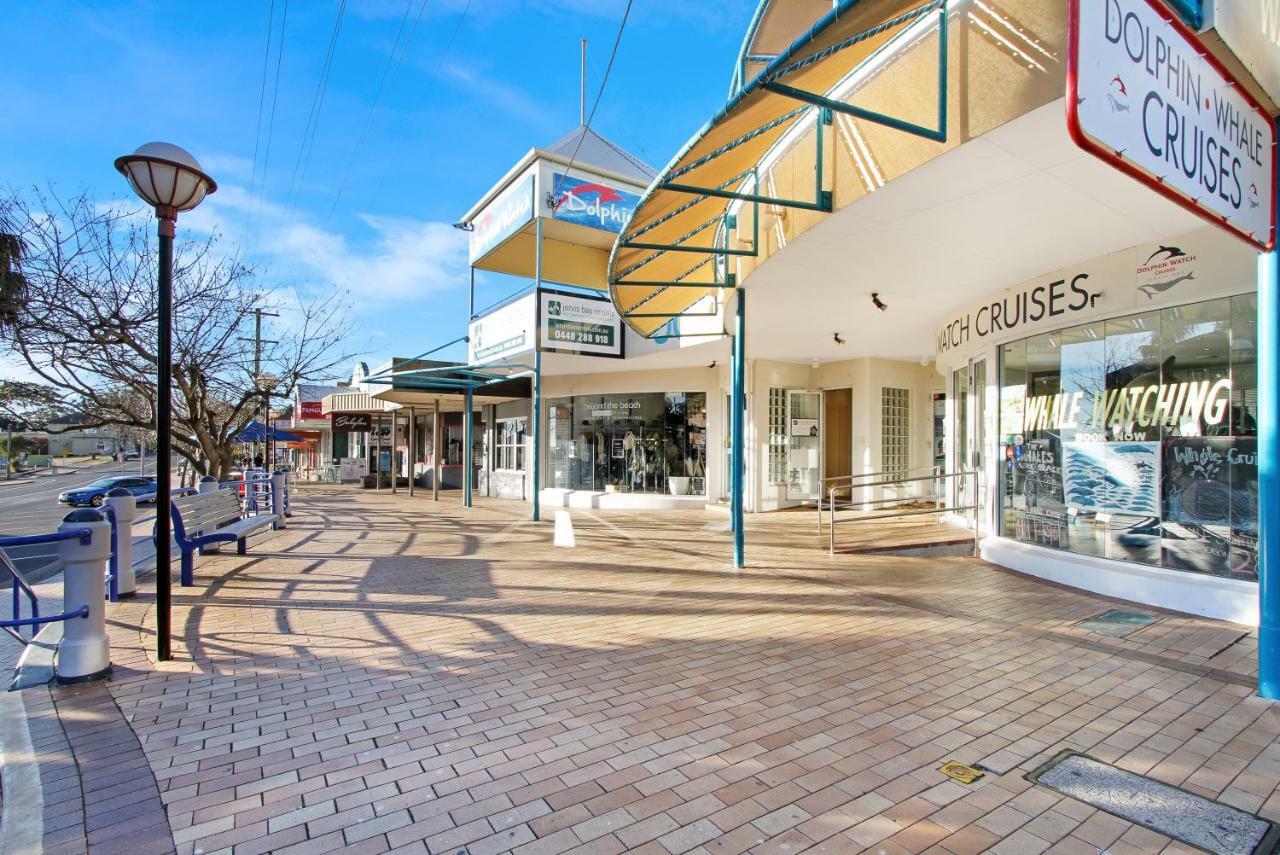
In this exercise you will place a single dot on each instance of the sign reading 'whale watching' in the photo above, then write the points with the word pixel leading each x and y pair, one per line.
pixel 1144 94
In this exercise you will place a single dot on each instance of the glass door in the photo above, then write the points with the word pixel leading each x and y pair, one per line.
pixel 726 481
pixel 804 444
pixel 977 459
pixel 959 487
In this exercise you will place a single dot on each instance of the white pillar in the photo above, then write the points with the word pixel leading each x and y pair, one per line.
pixel 125 509
pixel 84 652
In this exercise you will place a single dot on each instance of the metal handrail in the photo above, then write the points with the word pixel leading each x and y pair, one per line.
pixel 845 482
pixel 938 499
pixel 20 586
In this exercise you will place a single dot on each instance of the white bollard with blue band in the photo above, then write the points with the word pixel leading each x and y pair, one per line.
pixel 124 508
pixel 84 653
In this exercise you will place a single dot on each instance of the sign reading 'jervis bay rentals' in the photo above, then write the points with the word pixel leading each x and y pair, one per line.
pixel 579 325
pixel 1144 94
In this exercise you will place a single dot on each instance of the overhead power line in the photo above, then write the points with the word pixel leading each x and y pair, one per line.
pixel 262 97
pixel 313 117
pixel 271 122
pixel 626 13
pixel 398 51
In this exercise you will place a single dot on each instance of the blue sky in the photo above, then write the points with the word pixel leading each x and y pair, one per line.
pixel 83 83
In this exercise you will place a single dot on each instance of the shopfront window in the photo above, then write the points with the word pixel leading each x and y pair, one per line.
pixel 643 443
pixel 509 449
pixel 1133 438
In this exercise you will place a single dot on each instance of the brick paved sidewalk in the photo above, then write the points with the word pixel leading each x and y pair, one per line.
pixel 392 673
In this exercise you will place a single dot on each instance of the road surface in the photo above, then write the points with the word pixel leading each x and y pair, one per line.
pixel 32 508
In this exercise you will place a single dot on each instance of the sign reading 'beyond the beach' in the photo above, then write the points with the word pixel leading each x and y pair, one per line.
pixel 1144 94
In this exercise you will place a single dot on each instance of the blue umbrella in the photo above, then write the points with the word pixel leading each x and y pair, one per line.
pixel 254 431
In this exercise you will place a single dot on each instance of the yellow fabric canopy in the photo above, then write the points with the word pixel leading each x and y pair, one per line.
pixel 724 155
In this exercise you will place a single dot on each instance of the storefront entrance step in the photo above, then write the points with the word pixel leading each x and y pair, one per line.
pixel 959 547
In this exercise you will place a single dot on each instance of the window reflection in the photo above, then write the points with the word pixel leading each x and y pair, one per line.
pixel 1132 438
pixel 651 442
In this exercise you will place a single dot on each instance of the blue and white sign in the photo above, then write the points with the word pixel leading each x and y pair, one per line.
pixel 592 203
pixel 502 217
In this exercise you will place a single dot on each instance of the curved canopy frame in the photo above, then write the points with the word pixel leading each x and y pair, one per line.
pixel 708 201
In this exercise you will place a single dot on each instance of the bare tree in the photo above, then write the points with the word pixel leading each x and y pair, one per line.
pixel 88 324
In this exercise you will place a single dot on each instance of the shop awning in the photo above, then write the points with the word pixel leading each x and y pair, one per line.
pixel 706 206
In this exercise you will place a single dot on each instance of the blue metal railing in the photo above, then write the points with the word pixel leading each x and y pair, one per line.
pixel 14 627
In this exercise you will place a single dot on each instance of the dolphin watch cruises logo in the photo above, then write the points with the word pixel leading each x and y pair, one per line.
pixel 592 204
pixel 1165 268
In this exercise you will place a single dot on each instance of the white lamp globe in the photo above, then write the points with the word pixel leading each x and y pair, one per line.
pixel 166 176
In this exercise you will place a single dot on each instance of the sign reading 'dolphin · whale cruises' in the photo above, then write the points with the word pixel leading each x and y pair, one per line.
pixel 1144 94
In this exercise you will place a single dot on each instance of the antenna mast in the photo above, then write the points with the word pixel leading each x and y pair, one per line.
pixel 582 88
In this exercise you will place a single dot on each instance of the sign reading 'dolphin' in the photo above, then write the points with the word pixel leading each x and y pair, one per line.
pixel 351 422
pixel 1144 94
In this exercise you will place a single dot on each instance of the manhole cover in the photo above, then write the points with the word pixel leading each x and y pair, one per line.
pixel 1117 622
pixel 1210 825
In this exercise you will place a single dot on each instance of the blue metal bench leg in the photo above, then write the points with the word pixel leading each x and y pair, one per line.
pixel 240 546
pixel 188 568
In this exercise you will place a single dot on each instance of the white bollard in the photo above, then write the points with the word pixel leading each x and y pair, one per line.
pixel 125 508
pixel 84 653
pixel 277 498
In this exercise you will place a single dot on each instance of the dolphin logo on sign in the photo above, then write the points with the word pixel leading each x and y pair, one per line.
pixel 592 204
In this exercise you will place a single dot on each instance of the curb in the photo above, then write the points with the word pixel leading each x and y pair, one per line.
pixel 35 665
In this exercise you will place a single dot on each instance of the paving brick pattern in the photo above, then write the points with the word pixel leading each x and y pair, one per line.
pixel 396 674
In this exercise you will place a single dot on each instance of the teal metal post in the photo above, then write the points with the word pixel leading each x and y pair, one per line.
pixel 537 380
pixel 733 442
pixel 737 439
pixel 1269 472
pixel 468 452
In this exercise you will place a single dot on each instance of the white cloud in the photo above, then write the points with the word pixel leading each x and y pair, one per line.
pixel 224 166
pixel 400 259
pixel 471 79
pixel 406 259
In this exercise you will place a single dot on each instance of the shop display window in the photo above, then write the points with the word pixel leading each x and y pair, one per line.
pixel 1133 438
pixel 651 442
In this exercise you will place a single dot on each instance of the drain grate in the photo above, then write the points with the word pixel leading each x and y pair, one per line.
pixel 1192 819
pixel 1117 622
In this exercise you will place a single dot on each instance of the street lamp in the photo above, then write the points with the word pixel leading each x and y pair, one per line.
pixel 170 180
pixel 266 382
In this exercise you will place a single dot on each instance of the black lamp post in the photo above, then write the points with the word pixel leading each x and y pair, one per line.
pixel 170 180
pixel 266 382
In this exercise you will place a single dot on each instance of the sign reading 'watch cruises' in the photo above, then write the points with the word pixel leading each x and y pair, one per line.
pixel 1144 94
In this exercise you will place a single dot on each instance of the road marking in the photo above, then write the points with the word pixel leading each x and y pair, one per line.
pixel 564 530
pixel 22 826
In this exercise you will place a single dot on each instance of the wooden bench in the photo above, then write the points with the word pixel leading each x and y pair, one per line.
pixel 204 519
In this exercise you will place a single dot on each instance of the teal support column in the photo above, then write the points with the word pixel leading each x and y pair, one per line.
pixel 1269 473
pixel 468 451
pixel 537 381
pixel 732 435
pixel 737 429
